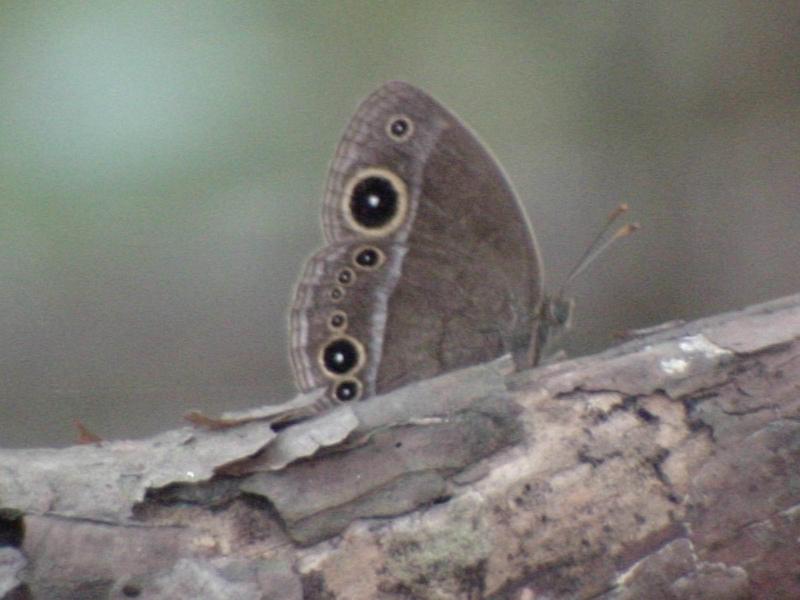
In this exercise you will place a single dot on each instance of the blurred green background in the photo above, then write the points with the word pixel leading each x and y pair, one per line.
pixel 161 167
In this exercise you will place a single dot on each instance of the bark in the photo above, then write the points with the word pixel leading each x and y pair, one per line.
pixel 667 467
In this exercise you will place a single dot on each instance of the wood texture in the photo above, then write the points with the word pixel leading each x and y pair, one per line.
pixel 667 467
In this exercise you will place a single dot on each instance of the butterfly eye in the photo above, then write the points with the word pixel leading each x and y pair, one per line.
pixel 338 321
pixel 341 355
pixel 368 257
pixel 347 389
pixel 346 276
pixel 375 202
pixel 400 128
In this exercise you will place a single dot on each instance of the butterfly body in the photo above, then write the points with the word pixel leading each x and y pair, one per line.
pixel 430 263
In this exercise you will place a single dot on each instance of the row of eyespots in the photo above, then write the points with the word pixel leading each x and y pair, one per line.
pixel 375 199
pixel 365 258
pixel 375 204
pixel 342 356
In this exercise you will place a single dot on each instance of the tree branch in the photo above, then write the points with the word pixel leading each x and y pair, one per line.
pixel 667 467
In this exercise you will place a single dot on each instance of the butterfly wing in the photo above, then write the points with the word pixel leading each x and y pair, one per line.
pixel 457 279
pixel 338 317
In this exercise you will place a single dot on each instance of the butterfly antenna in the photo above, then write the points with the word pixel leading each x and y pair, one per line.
pixel 600 244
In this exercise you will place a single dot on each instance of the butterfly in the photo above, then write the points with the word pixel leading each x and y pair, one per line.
pixel 430 263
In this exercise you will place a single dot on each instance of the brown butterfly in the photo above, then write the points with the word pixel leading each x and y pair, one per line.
pixel 431 264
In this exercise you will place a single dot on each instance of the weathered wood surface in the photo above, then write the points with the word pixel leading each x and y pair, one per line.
pixel 667 467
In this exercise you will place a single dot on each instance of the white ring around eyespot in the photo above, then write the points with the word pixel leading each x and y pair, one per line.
pixel 402 202
pixel 362 356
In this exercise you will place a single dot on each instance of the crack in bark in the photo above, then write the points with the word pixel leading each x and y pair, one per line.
pixel 749 411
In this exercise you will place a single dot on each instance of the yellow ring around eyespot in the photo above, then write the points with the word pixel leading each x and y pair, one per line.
pixel 359 389
pixel 360 249
pixel 360 351
pixel 407 135
pixel 353 277
pixel 402 202
pixel 338 290
pixel 343 327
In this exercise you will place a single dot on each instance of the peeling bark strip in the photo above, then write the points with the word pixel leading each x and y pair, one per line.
pixel 668 467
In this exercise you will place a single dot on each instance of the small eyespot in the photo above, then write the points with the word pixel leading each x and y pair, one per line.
pixel 341 356
pixel 347 390
pixel 368 257
pixel 346 276
pixel 337 293
pixel 399 128
pixel 375 202
pixel 337 321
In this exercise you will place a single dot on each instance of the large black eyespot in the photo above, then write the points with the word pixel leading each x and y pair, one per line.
pixel 368 257
pixel 346 276
pixel 373 202
pixel 399 128
pixel 340 356
pixel 347 389
pixel 337 321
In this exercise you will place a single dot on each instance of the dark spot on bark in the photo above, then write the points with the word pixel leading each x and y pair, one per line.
pixel 585 457
pixel 472 579
pixel 12 527
pixel 314 587
pixel 21 592
pixel 658 460
pixel 646 416
pixel 131 590
pixel 597 418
